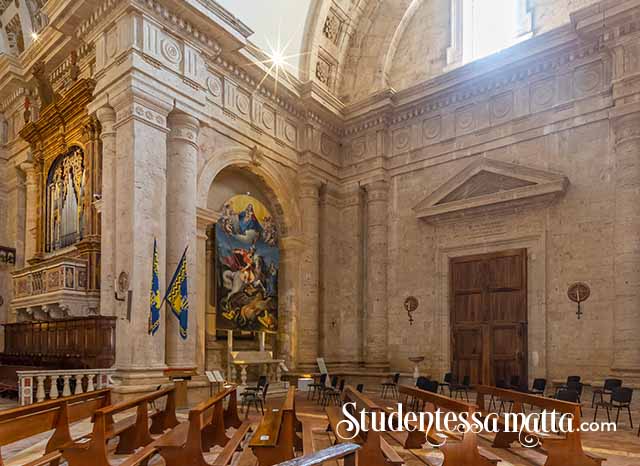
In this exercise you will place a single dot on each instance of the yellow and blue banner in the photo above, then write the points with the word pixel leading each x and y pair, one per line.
pixel 154 298
pixel 177 295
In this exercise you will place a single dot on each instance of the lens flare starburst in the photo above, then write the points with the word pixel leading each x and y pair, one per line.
pixel 278 62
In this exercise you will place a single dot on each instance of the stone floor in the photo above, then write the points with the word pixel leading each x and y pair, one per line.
pixel 621 448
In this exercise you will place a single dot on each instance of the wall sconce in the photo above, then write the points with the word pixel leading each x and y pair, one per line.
pixel 578 293
pixel 7 255
pixel 410 305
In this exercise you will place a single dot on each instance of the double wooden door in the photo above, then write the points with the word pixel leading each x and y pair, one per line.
pixel 489 316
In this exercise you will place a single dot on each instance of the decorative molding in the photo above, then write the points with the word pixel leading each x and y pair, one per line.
pixel 504 185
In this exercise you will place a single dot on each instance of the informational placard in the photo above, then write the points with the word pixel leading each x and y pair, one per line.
pixel 210 376
pixel 218 376
pixel 322 366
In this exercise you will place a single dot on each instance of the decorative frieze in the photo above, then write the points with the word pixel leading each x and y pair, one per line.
pixel 67 274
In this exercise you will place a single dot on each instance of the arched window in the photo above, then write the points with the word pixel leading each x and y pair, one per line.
pixel 64 200
pixel 482 27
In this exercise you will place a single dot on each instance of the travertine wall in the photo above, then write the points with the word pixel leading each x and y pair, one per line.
pixel 343 162
pixel 571 240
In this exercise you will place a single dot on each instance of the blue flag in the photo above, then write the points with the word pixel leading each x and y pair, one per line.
pixel 177 295
pixel 154 298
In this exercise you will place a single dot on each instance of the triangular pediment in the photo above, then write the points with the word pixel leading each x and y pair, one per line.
pixel 490 184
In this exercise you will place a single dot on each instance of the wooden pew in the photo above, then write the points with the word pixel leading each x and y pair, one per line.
pixel 205 428
pixel 276 439
pixel 26 421
pixel 375 450
pixel 133 432
pixel 346 451
pixel 458 449
pixel 561 450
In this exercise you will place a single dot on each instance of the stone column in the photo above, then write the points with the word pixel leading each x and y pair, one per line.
pixel 107 117
pixel 140 217
pixel 308 322
pixel 31 214
pixel 376 350
pixel 626 129
pixel 182 167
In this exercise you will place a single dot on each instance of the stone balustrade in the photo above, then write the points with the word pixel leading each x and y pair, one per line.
pixel 39 385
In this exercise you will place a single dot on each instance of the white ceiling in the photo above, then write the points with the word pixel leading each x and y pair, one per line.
pixel 273 22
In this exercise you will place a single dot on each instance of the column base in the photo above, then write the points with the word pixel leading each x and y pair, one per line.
pixel 631 376
pixel 377 366
pixel 130 383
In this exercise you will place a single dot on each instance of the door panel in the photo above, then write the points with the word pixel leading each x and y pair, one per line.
pixel 468 352
pixel 468 308
pixel 489 316
pixel 506 306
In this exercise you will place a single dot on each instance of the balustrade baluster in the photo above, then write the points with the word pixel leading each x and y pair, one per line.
pixel 40 393
pixel 66 390
pixel 53 392
pixel 78 384
pixel 90 386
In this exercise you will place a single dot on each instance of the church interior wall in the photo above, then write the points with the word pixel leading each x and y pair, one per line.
pixel 343 152
pixel 576 234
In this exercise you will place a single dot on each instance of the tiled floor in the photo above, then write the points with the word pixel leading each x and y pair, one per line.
pixel 621 448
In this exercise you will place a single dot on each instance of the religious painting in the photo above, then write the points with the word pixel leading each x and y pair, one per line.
pixel 247 264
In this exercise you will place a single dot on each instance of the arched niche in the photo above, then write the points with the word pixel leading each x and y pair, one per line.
pixel 225 174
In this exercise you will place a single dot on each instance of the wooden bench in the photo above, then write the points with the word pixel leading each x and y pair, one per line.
pixel 561 450
pixel 345 451
pixel 375 449
pixel 24 422
pixel 133 431
pixel 458 448
pixel 205 428
pixel 276 439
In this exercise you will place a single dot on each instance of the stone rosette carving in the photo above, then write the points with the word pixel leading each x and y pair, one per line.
pixel 171 51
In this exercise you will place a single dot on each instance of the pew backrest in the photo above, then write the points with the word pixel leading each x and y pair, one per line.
pixel 26 421
pixel 438 400
pixel 520 398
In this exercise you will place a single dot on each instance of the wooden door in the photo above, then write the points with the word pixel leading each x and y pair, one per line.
pixel 489 316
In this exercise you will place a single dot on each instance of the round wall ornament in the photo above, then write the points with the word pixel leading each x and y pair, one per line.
pixel 579 292
pixel 410 305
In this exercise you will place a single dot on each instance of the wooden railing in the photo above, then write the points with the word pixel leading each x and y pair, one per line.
pixel 75 343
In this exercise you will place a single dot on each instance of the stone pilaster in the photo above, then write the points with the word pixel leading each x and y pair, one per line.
pixel 308 322
pixel 140 217
pixel 626 130
pixel 182 166
pixel 30 170
pixel 288 284
pixel 205 318
pixel 107 117
pixel 376 327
